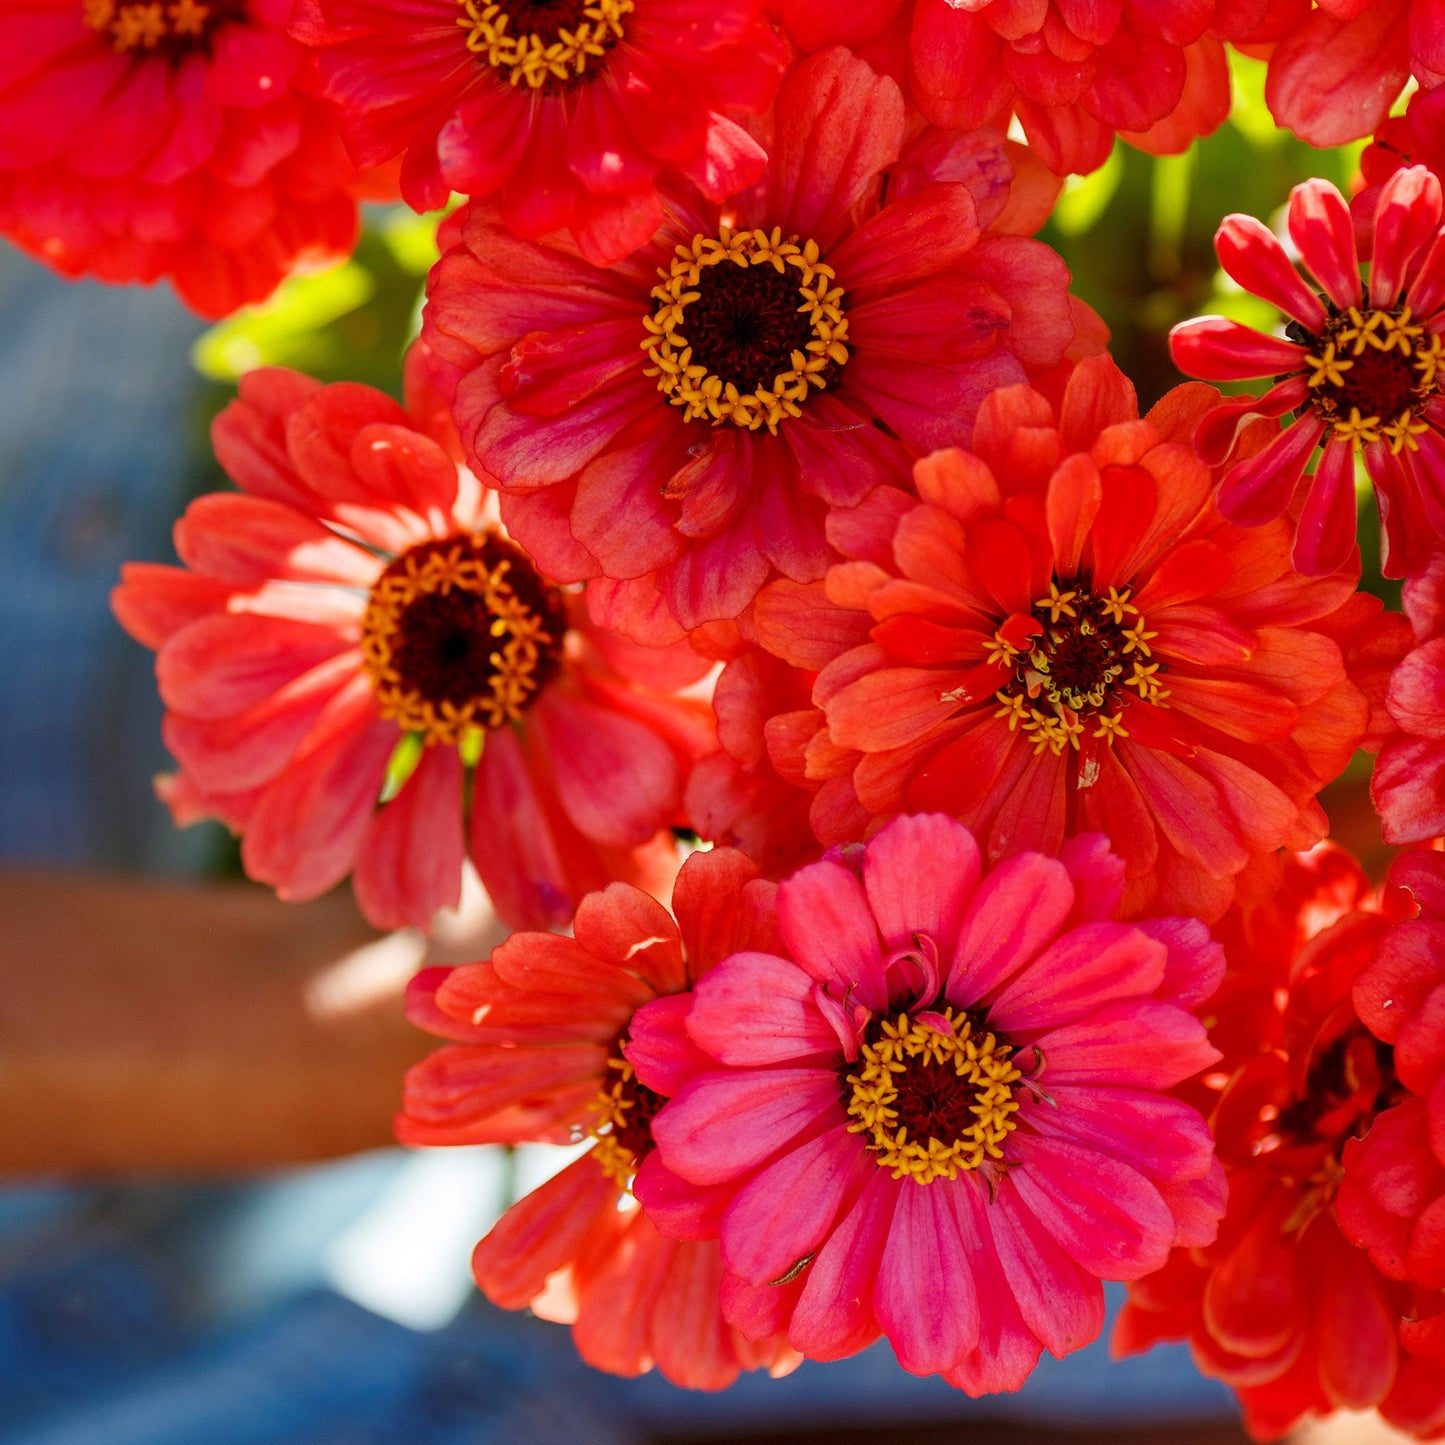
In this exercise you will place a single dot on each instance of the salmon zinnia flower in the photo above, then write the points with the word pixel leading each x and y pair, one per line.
pixel 540 1054
pixel 934 1110
pixel 1363 371
pixel 363 672
pixel 176 138
pixel 567 112
pixel 688 415
pixel 1065 636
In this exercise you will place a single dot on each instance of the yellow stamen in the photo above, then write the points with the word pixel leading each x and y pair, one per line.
pixel 526 58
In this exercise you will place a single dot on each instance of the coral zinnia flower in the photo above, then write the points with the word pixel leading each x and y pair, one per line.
pixel 688 415
pixel 1066 636
pixel 1075 75
pixel 1337 71
pixel 1408 788
pixel 1282 1306
pixel 351 631
pixel 1363 373
pixel 567 111
pixel 541 1054
pixel 177 138
pixel 870 1134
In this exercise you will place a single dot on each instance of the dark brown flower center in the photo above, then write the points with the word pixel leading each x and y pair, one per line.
pixel 1371 373
pixel 545 45
pixel 461 633
pixel 170 28
pixel 744 326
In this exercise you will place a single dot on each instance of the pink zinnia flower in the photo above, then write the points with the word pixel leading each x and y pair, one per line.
pixel 687 416
pixel 934 1112
pixel 175 138
pixel 540 1054
pixel 568 112
pixel 1074 75
pixel 1363 373
pixel 1408 788
pixel 362 672
pixel 1063 635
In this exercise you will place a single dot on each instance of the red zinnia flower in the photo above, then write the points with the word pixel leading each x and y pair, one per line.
pixel 540 1053
pixel 567 112
pixel 177 138
pixel 353 649
pixel 933 1111
pixel 688 415
pixel 1336 73
pixel 1066 636
pixel 1075 75
pixel 1364 373
pixel 1282 1306
pixel 1408 787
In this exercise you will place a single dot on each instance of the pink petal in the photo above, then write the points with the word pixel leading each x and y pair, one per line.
pixel 1249 252
pixel 1093 964
pixel 786 1211
pixel 828 927
pixel 756 1008
pixel 1107 1217
pixel 1215 349
pixel 924 1295
pixel 1019 907
pixel 920 873
pixel 1137 1045
pixel 725 1124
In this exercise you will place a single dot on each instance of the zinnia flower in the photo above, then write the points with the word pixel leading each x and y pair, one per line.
pixel 1064 635
pixel 687 416
pixel 1282 1306
pixel 568 112
pixel 1340 67
pixel 1408 787
pixel 176 138
pixel 934 1111
pixel 1074 75
pixel 540 1053
pixel 1362 372
pixel 362 672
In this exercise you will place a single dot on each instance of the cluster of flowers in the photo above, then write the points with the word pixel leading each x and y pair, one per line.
pixel 758 479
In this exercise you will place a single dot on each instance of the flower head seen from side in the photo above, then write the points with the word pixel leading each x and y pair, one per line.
pixel 1065 636
pixel 1282 1306
pixel 141 139
pixel 1074 76
pixel 364 674
pixel 1361 369
pixel 1408 786
pixel 539 1053
pixel 688 416
pixel 934 1111
pixel 567 112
